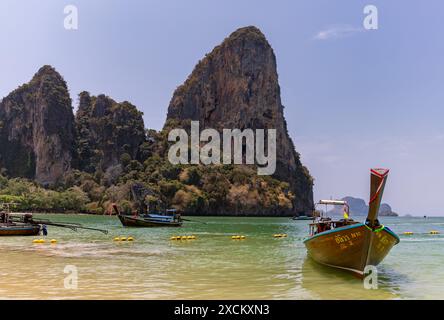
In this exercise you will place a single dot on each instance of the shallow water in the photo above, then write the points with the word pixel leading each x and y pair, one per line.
pixel 213 266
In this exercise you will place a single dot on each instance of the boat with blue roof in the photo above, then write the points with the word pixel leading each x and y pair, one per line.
pixel 170 218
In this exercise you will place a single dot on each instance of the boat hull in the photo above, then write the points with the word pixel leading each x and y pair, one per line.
pixel 129 221
pixel 351 247
pixel 19 230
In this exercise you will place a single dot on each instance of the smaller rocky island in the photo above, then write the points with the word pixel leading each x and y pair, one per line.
pixel 358 207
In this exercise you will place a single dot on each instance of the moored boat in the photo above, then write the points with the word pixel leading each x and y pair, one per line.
pixel 18 229
pixel 171 218
pixel 23 224
pixel 348 244
pixel 11 227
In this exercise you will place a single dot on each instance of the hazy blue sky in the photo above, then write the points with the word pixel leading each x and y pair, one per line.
pixel 354 99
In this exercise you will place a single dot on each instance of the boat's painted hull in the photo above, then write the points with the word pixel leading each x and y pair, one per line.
pixel 19 230
pixel 351 247
pixel 129 221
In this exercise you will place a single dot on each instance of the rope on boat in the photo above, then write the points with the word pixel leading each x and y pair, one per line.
pixel 375 230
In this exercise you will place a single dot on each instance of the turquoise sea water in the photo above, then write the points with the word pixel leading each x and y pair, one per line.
pixel 213 266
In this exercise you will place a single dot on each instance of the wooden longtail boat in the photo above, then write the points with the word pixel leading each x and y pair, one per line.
pixel 170 219
pixel 23 224
pixel 348 244
pixel 11 227
pixel 19 229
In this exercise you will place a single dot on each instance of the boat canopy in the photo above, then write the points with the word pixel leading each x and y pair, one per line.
pixel 333 202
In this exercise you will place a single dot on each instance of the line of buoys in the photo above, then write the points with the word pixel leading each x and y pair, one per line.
pixel 236 237
pixel 409 233
pixel 192 237
pixel 280 235
pixel 123 239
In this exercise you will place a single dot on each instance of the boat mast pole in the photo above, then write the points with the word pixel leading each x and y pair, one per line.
pixel 377 184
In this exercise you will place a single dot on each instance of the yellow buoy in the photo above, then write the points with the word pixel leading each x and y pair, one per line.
pixel 42 241
pixel 277 235
pixel 122 239
pixel 242 237
pixel 130 239
pixel 183 238
pixel 409 233
pixel 193 237
pixel 116 239
pixel 35 241
pixel 190 237
pixel 434 232
pixel 53 241
pixel 284 235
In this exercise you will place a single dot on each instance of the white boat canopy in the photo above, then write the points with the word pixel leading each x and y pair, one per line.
pixel 333 202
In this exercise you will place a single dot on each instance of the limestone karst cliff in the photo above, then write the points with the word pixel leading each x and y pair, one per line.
pixel 37 129
pixel 107 130
pixel 98 156
pixel 236 86
pixel 358 207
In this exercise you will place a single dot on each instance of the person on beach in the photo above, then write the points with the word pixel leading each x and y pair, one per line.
pixel 44 230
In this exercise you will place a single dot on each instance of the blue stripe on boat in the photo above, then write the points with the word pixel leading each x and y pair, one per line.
pixel 351 227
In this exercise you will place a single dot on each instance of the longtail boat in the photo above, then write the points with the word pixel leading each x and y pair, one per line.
pixel 171 218
pixel 18 229
pixel 23 224
pixel 13 227
pixel 348 244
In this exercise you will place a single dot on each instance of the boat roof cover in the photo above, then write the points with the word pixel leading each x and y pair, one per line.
pixel 333 202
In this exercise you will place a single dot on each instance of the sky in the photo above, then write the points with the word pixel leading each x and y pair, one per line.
pixel 354 98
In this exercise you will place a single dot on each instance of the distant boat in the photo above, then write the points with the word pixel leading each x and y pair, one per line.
pixel 350 245
pixel 303 217
pixel 171 218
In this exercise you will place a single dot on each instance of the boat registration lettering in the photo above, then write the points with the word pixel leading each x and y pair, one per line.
pixel 341 239
pixel 356 234
pixel 347 237
pixel 383 242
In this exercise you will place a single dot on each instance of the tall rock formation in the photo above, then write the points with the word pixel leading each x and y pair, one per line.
pixel 37 129
pixel 236 86
pixel 107 130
